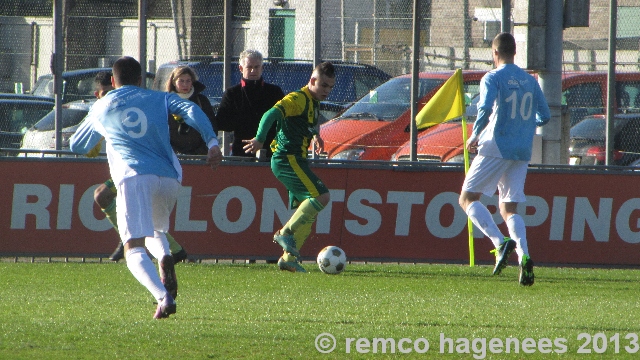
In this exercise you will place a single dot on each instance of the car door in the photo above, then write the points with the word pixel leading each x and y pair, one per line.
pixel 583 99
pixel 627 141
pixel 628 96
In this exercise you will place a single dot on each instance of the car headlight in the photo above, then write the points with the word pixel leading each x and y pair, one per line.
pixel 351 154
pixel 460 158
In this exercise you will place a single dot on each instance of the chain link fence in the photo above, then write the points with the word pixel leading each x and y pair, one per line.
pixel 375 34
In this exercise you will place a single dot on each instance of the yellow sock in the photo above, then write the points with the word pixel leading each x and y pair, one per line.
pixel 288 257
pixel 303 232
pixel 112 216
pixel 174 247
pixel 306 213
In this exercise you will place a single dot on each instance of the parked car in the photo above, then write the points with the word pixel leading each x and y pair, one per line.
pixel 26 97
pixel 583 92
pixel 77 84
pixel 442 141
pixel 587 140
pixel 352 80
pixel 41 136
pixel 17 116
pixel 379 123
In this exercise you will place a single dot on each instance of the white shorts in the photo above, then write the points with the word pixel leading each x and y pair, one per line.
pixel 143 204
pixel 487 172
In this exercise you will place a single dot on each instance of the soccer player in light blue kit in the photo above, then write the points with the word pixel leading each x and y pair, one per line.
pixel 511 106
pixel 145 170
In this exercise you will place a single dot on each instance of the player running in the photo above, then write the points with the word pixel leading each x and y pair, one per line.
pixel 511 106
pixel 296 116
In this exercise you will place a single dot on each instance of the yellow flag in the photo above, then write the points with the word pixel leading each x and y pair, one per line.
pixel 446 104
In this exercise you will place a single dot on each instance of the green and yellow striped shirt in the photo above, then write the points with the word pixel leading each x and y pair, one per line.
pixel 296 117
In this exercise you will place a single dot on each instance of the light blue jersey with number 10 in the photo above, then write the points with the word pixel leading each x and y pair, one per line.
pixel 511 106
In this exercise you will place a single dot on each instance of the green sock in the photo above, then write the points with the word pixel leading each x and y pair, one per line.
pixel 112 216
pixel 174 247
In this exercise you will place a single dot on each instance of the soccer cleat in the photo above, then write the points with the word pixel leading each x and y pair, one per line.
pixel 118 253
pixel 287 242
pixel 526 271
pixel 179 256
pixel 502 255
pixel 168 275
pixel 166 307
pixel 292 266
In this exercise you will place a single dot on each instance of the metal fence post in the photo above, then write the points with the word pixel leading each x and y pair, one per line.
pixel 415 78
pixel 142 40
pixel 550 79
pixel 57 61
pixel 611 79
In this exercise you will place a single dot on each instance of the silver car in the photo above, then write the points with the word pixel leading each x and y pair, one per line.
pixel 16 117
pixel 41 136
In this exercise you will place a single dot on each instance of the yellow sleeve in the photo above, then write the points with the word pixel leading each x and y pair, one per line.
pixel 95 151
pixel 292 105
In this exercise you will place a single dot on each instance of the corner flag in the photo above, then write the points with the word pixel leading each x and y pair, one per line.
pixel 446 104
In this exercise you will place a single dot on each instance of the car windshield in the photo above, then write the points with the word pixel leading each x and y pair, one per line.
pixel 70 117
pixel 18 118
pixel 595 128
pixel 43 87
pixel 389 100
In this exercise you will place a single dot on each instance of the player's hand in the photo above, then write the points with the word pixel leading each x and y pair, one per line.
pixel 214 157
pixel 319 144
pixel 472 143
pixel 252 146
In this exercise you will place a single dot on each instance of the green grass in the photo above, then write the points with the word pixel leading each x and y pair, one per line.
pixel 235 311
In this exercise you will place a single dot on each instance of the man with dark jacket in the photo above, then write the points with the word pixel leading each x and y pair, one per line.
pixel 242 105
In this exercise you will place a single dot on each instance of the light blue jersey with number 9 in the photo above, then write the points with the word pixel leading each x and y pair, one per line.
pixel 134 122
pixel 511 106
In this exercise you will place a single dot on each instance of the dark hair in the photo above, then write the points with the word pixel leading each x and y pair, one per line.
pixel 505 43
pixel 103 78
pixel 176 73
pixel 127 71
pixel 325 69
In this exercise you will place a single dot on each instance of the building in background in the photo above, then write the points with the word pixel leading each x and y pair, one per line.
pixel 377 32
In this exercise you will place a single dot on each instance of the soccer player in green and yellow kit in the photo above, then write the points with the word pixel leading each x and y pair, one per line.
pixel 296 118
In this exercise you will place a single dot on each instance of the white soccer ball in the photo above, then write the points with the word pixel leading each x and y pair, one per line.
pixel 332 260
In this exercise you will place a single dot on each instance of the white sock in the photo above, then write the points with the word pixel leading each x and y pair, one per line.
pixel 144 271
pixel 518 232
pixel 481 218
pixel 158 245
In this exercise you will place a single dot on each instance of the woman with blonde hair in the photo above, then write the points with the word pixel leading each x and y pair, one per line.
pixel 184 140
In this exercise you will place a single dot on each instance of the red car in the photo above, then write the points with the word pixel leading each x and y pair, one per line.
pixel 583 92
pixel 378 124
pixel 442 144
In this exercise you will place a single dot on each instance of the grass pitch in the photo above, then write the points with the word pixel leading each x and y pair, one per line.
pixel 63 310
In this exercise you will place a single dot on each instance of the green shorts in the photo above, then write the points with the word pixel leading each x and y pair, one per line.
pixel 294 172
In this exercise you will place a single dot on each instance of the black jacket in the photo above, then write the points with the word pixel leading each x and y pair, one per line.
pixel 184 139
pixel 241 109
